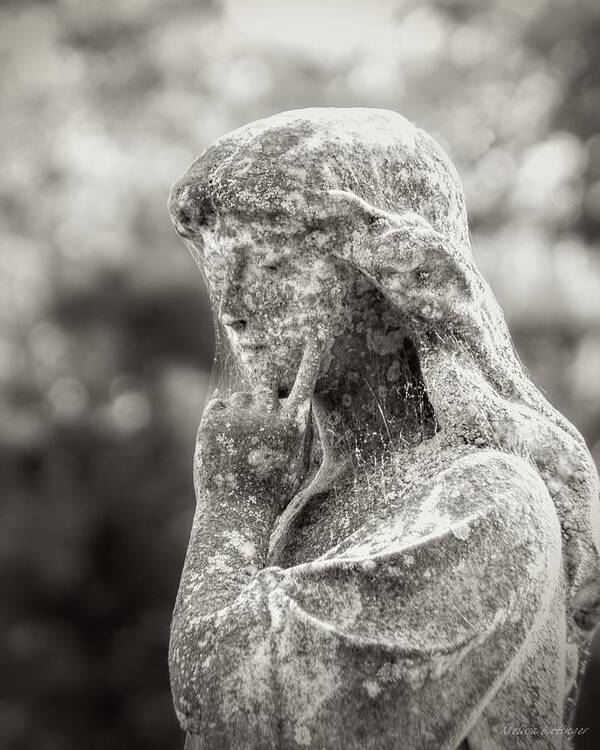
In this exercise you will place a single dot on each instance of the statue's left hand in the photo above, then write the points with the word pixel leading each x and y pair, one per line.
pixel 422 272
pixel 253 444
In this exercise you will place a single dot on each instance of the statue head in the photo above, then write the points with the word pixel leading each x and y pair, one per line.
pixel 272 209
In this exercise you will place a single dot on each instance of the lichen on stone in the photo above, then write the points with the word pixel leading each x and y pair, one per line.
pixel 396 541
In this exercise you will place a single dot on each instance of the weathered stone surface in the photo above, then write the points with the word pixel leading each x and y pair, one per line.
pixel 396 536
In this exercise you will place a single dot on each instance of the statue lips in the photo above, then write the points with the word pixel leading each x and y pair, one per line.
pixel 250 348
pixel 251 345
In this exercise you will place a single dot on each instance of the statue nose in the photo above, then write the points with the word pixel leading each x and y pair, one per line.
pixel 189 207
pixel 235 306
pixel 235 322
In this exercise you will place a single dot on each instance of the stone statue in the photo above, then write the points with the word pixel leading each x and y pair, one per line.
pixel 396 536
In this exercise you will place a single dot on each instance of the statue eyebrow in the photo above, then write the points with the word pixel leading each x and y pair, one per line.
pixel 274 257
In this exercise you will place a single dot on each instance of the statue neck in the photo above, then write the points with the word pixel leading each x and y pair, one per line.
pixel 374 402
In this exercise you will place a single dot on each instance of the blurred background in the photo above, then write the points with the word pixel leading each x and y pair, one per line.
pixel 105 331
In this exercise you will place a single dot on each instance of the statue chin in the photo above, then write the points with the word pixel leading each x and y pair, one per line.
pixel 262 366
pixel 260 370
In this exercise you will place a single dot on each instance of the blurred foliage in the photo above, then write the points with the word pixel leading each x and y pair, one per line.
pixel 105 333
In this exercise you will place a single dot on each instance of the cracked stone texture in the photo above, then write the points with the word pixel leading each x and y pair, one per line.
pixel 396 536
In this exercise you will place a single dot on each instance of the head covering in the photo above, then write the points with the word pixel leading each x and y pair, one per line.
pixel 285 165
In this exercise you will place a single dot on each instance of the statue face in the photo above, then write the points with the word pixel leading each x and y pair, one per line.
pixel 272 287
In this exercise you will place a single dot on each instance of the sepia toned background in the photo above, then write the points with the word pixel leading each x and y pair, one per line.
pixel 105 331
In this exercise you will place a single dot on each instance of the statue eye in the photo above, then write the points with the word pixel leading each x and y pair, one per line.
pixel 271 264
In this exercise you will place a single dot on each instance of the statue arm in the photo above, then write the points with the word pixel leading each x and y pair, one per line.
pixel 476 385
pixel 220 598
pixel 355 644
pixel 249 461
pixel 432 280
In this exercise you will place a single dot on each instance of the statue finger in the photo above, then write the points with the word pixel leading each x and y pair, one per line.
pixel 307 375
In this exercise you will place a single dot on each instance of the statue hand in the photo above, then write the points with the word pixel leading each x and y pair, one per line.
pixel 255 444
pixel 419 269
